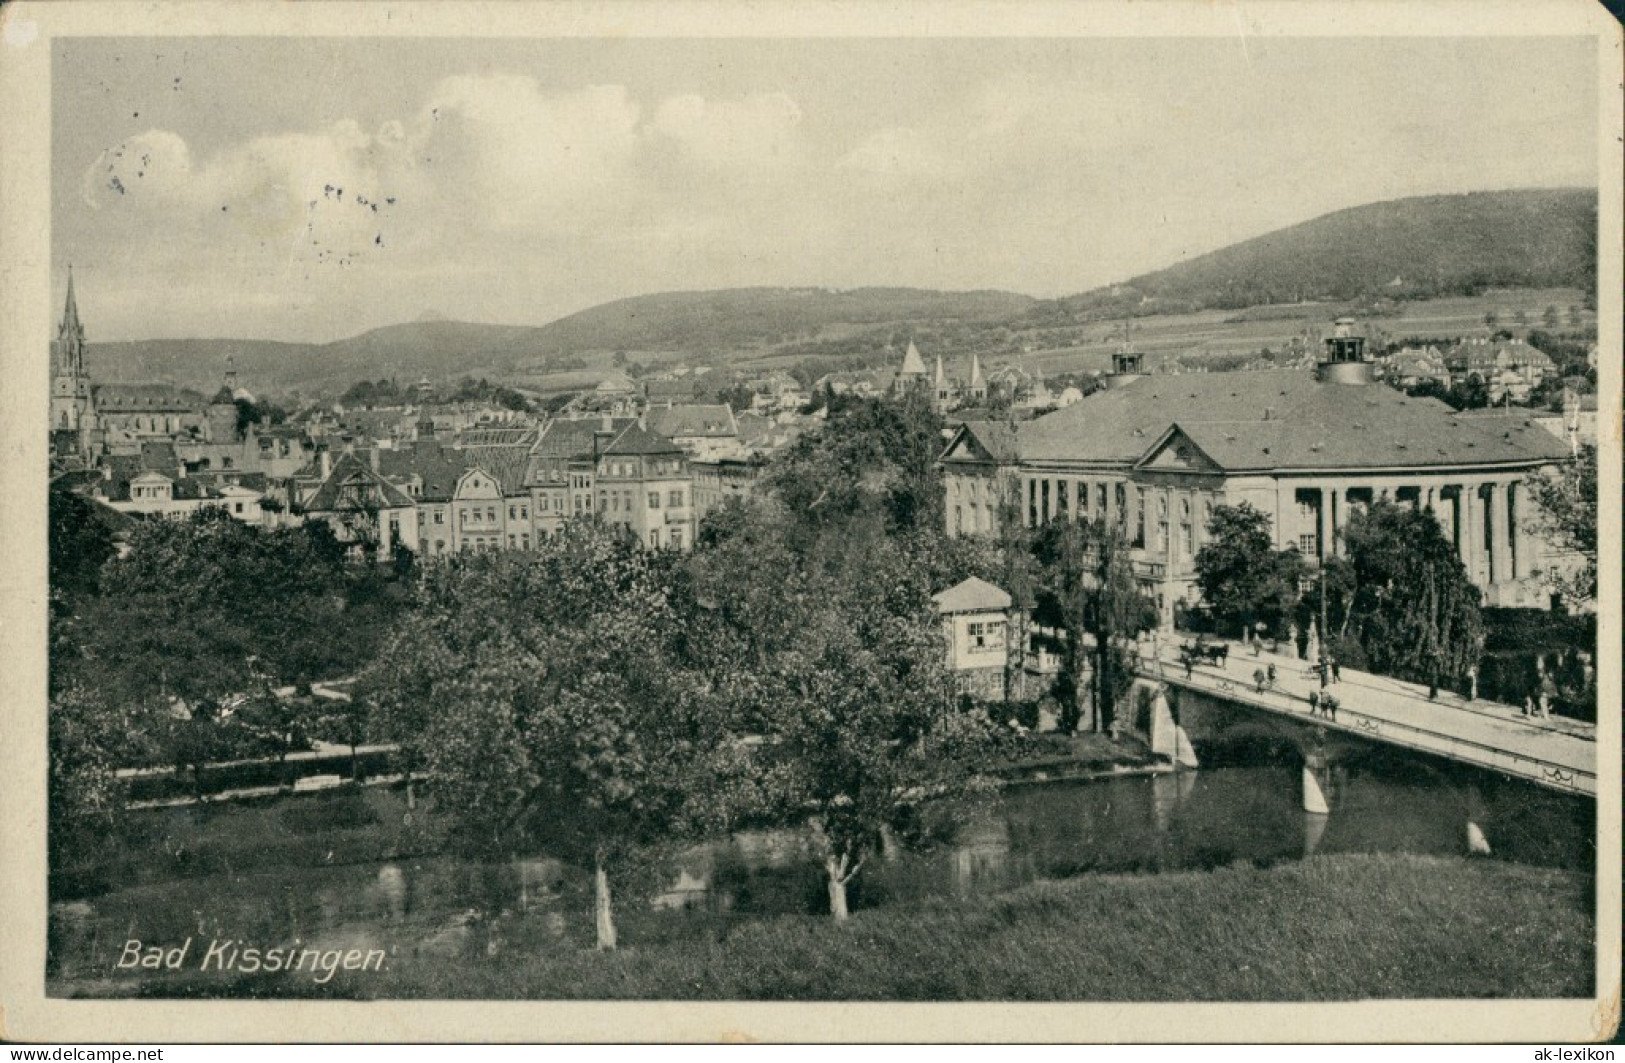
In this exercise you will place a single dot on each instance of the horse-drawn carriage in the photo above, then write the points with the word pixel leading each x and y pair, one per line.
pixel 1204 652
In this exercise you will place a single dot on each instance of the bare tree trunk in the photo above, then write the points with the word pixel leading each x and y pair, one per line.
pixel 603 913
pixel 835 867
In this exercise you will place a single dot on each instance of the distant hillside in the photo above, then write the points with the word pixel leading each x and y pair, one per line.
pixel 757 317
pixel 1403 249
pixel 713 323
pixel 433 348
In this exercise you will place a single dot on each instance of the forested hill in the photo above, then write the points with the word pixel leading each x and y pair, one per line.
pixel 749 317
pixel 1403 248
pixel 719 325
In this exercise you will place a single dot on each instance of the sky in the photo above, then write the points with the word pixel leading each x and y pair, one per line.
pixel 311 189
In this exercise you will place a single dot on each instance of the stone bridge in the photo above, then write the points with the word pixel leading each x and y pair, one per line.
pixel 1469 747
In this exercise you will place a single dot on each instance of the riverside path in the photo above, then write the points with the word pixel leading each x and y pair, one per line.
pixel 1555 752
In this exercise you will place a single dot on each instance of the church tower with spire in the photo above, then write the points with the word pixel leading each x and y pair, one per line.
pixel 73 406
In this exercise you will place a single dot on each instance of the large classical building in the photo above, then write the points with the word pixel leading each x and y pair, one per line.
pixel 1155 454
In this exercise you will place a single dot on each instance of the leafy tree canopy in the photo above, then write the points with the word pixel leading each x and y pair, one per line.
pixel 1413 608
pixel 1244 579
pixel 1566 503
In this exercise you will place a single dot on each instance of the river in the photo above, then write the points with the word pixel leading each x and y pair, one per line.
pixel 1127 824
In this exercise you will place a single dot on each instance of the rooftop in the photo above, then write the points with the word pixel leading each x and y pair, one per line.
pixel 972 596
pixel 1275 420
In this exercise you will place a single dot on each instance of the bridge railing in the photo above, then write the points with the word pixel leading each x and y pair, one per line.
pixel 1549 773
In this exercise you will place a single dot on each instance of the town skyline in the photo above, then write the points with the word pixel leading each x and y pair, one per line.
pixel 712 165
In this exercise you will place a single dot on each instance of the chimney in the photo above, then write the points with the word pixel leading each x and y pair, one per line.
pixel 327 463
pixel 608 424
pixel 372 458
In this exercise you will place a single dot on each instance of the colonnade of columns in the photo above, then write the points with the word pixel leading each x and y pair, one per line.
pixel 1482 518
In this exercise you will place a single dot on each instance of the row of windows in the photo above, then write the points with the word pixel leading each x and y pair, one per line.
pixel 986 636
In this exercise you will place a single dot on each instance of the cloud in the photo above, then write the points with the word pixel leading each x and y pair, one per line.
pixel 899 153
pixel 504 154
pixel 756 130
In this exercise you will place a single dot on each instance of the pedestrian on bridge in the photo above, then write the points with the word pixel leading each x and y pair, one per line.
pixel 1337 669
pixel 1314 703
pixel 1322 670
pixel 1329 703
pixel 1258 679
pixel 1270 675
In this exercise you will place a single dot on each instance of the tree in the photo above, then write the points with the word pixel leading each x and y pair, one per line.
pixel 864 720
pixel 1471 394
pixel 1414 610
pixel 89 739
pixel 545 695
pixel 1566 502
pixel 832 653
pixel 1244 580
pixel 874 462
pixel 204 618
pixel 80 541
pixel 1089 590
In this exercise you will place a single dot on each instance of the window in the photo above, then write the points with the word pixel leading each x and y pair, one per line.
pixel 654 499
pixel 440 546
pixel 986 636
pixel 1187 541
pixel 510 540
pixel 524 512
pixel 654 537
pixel 675 499
pixel 236 507
pixel 524 541
pixel 675 537
pixel 959 519
pixel 1306 544
pixel 512 513
pixel 440 516
pixel 462 514
pixel 491 514
pixel 422 516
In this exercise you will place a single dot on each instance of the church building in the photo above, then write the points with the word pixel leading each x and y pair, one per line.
pixel 88 419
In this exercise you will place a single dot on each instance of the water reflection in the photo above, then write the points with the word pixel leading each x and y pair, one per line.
pixel 1209 818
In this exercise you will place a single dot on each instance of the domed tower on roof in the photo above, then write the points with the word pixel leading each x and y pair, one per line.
pixel 1128 364
pixel 1345 361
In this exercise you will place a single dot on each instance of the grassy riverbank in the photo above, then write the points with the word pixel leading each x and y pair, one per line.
pixel 1327 928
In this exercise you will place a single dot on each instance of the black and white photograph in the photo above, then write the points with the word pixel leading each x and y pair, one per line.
pixel 1082 506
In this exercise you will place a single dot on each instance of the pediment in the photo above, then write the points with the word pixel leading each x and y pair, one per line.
pixel 1176 451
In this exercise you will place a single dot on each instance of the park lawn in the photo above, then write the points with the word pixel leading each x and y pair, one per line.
pixel 1328 928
